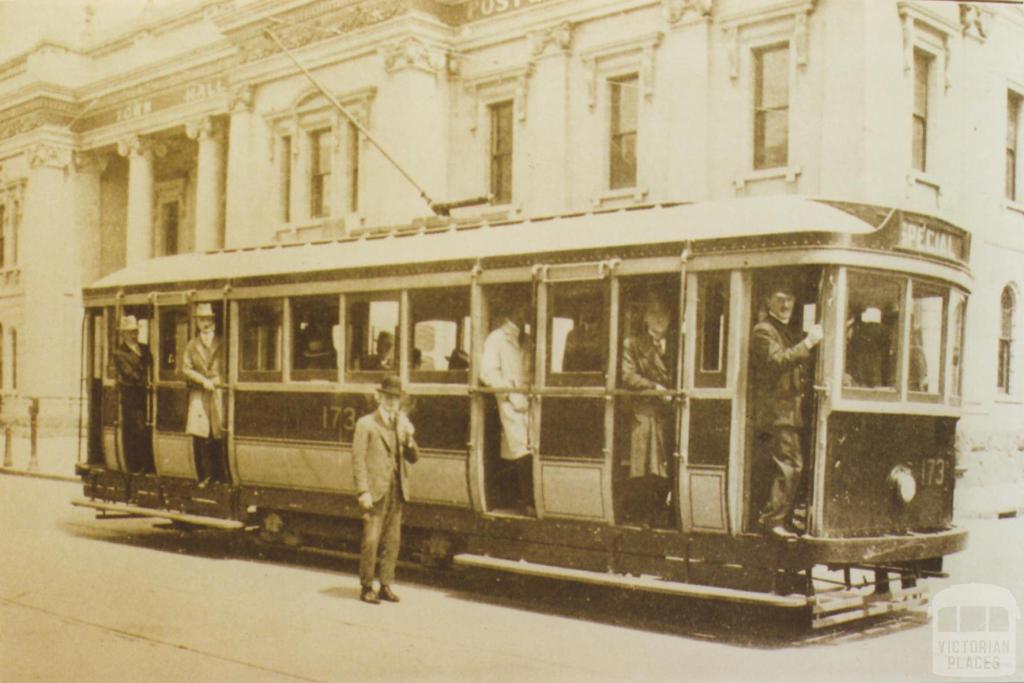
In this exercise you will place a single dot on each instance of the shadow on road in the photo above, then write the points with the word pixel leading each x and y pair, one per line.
pixel 739 624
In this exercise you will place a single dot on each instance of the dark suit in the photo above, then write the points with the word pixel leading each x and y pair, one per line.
pixel 131 370
pixel 778 363
pixel 380 467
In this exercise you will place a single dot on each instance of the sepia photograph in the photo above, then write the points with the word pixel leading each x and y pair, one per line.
pixel 511 340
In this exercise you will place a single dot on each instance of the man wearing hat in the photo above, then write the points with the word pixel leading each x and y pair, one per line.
pixel 202 367
pixel 779 364
pixel 382 447
pixel 132 366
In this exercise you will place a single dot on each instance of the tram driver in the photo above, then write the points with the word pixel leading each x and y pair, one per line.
pixel 505 365
pixel 779 363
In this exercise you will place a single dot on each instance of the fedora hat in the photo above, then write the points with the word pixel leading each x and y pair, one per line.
pixel 203 310
pixel 128 324
pixel 391 385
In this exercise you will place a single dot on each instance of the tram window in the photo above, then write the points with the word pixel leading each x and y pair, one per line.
pixel 872 331
pixel 99 345
pixel 372 334
pixel 260 325
pixel 959 309
pixel 577 338
pixel 927 321
pixel 440 335
pixel 173 338
pixel 712 329
pixel 315 338
pixel 647 306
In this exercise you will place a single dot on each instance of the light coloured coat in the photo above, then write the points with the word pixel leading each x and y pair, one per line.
pixel 204 407
pixel 504 365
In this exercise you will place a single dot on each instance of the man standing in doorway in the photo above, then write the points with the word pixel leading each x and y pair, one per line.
pixel 505 366
pixel 381 448
pixel 779 363
pixel 646 366
pixel 202 367
pixel 132 366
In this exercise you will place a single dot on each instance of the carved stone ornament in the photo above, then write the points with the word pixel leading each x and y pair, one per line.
pixel 90 162
pixel 412 53
pixel 559 35
pixel 675 10
pixel 22 124
pixel 139 146
pixel 241 98
pixel 973 21
pixel 202 128
pixel 46 154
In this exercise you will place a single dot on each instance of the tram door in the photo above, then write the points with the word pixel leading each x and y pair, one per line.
pixel 135 433
pixel 759 470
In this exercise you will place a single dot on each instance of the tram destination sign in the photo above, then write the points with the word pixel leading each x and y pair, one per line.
pixel 925 237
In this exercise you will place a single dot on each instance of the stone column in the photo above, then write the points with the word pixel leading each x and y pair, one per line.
pixel 139 232
pixel 209 183
pixel 240 159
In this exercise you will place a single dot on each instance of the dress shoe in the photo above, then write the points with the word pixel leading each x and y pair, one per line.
pixel 369 595
pixel 780 531
pixel 387 594
pixel 204 483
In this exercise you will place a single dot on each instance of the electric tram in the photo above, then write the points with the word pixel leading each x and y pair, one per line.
pixel 303 323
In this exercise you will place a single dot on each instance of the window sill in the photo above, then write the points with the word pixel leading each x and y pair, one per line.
pixel 788 173
pixel 314 229
pixel 1008 401
pixel 1013 205
pixel 915 177
pixel 621 195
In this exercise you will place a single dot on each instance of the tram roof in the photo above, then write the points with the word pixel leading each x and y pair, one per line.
pixel 457 240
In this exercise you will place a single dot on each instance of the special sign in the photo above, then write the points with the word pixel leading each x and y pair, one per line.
pixel 925 239
pixel 481 9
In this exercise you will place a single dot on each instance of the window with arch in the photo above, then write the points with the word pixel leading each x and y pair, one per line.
pixel 1008 311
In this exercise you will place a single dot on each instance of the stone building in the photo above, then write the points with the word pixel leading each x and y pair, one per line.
pixel 190 129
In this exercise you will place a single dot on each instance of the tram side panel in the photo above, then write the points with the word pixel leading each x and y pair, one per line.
pixel 872 460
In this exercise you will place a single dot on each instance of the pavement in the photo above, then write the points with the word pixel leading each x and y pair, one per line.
pixel 55 457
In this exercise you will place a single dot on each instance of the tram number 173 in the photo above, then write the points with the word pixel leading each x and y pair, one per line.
pixel 933 471
pixel 337 418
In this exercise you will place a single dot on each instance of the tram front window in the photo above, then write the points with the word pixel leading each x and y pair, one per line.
pixel 261 340
pixel 927 320
pixel 872 331
pixel 315 337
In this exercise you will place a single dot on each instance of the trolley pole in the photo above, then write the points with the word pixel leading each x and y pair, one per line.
pixel 33 418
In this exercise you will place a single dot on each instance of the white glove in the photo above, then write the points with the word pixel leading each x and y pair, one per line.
pixel 519 402
pixel 366 501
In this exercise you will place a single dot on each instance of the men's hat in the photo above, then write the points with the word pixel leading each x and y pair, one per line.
pixel 780 284
pixel 392 386
pixel 128 324
pixel 204 310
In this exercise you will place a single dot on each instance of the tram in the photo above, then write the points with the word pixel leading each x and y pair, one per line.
pixel 301 322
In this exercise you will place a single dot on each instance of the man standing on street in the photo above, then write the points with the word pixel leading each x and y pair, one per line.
pixel 382 445
pixel 778 365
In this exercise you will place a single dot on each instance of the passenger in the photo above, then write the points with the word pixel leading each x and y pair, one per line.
pixel 133 364
pixel 866 350
pixel 458 360
pixel 918 371
pixel 505 366
pixel 317 354
pixel 646 365
pixel 583 346
pixel 382 445
pixel 384 359
pixel 778 365
pixel 202 368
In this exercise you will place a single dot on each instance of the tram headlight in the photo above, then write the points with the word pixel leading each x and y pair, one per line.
pixel 903 483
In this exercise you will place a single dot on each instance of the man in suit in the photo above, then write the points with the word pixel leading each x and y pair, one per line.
pixel 202 368
pixel 133 364
pixel 381 448
pixel 779 364
pixel 646 366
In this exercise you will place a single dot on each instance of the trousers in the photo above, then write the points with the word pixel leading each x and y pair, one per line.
pixel 382 536
pixel 210 460
pixel 787 456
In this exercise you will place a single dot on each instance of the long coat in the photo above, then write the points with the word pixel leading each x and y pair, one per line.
pixel 204 407
pixel 504 364
pixel 778 362
pixel 644 367
pixel 374 460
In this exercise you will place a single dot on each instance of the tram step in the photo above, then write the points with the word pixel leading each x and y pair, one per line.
pixel 832 609
pixel 198 520
pixel 644 583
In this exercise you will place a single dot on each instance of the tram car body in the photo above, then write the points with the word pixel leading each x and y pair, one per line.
pixel 301 323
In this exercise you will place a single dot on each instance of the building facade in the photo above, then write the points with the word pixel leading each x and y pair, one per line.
pixel 193 129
